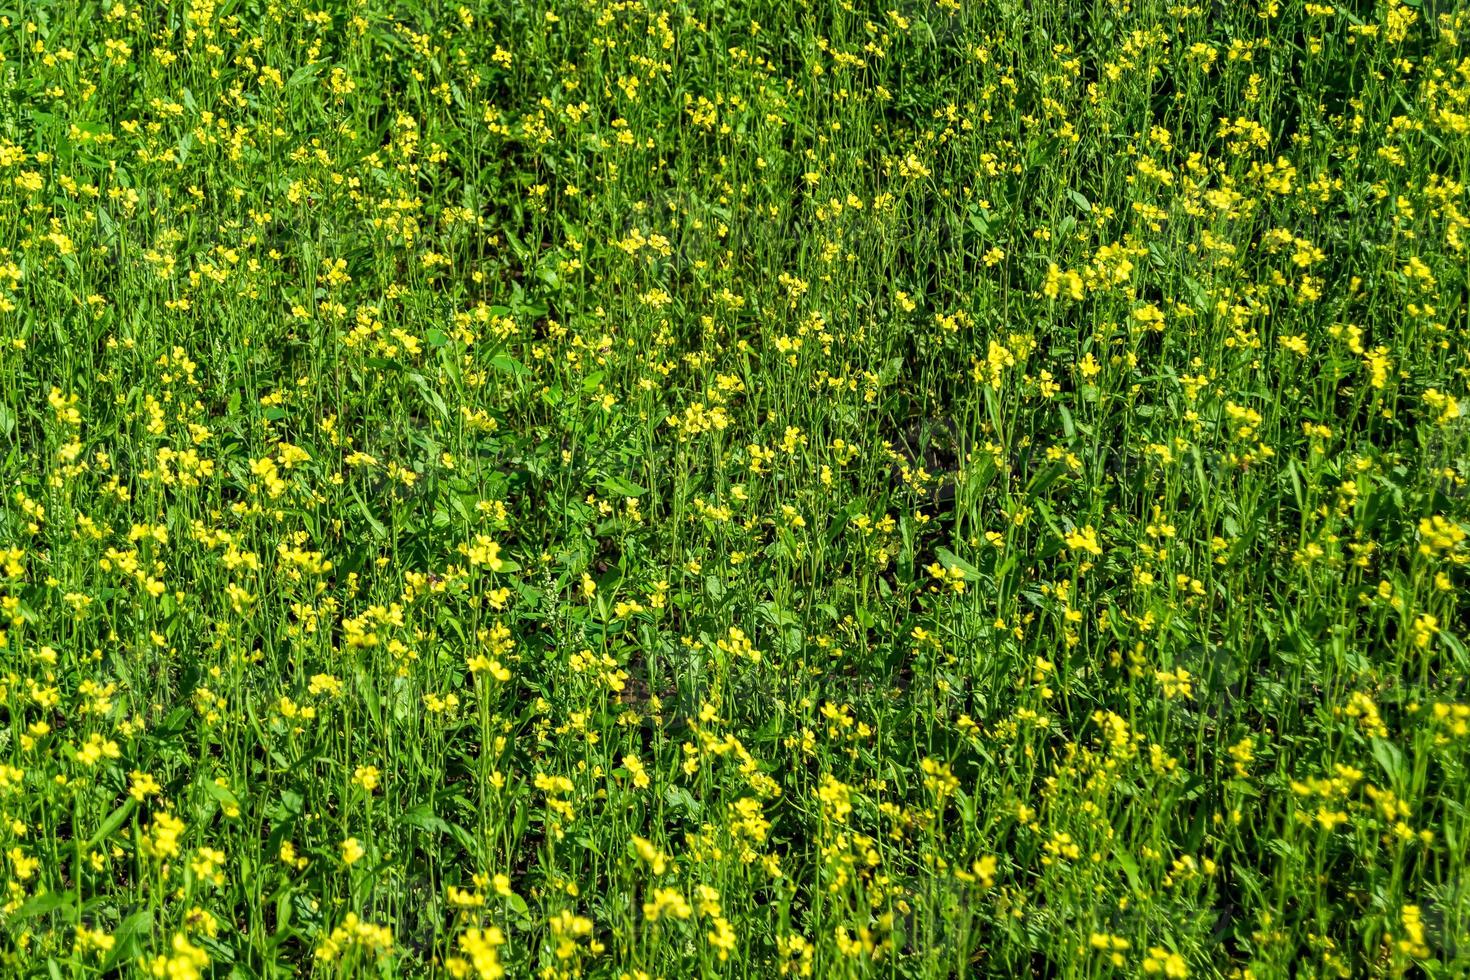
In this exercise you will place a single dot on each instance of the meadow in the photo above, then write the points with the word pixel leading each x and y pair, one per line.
pixel 648 489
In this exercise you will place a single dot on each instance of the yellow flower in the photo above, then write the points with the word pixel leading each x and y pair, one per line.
pixel 485 552
pixel 722 937
pixel 24 864
pixel 635 769
pixel 162 839
pixel 1177 683
pixel 97 749
pixel 1161 960
pixel 367 777
pixel 666 902
pixel 649 853
pixel 1084 539
pixel 352 851
pixel 187 961
pixel 480 955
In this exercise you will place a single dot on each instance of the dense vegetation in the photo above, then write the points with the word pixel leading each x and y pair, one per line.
pixel 647 489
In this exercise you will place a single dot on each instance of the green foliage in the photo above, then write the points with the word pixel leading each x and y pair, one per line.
pixel 638 489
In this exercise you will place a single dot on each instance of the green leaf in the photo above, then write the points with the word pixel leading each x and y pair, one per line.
pixel 890 371
pixel 1042 482
pixel 424 818
pixel 949 559
pixel 379 530
pixel 303 75
pixel 619 487
pixel 1391 760
pixel 434 399
pixel 128 939
pixel 221 794
pixel 508 364
pixel 114 820
pixel 43 904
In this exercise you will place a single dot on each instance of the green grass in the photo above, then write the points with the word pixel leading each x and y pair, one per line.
pixel 734 488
